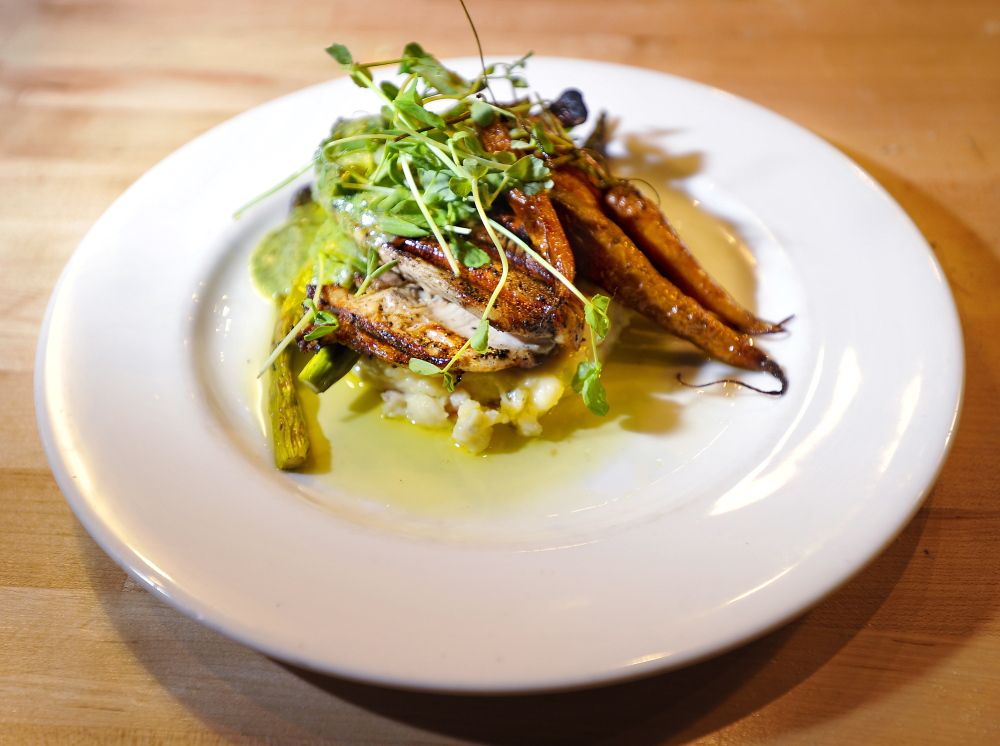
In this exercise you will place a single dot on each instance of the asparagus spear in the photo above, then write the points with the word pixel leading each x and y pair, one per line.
pixel 288 424
pixel 328 366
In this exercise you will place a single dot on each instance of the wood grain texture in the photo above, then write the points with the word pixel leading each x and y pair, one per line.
pixel 94 93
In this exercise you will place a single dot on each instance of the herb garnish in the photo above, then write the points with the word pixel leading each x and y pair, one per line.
pixel 418 167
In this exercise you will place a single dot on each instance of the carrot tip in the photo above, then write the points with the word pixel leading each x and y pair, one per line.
pixel 771 367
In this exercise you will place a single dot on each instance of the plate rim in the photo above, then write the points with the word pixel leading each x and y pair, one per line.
pixel 119 551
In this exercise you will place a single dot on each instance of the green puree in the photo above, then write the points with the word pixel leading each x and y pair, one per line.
pixel 280 256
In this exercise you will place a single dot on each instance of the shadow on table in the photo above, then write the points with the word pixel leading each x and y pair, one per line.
pixel 915 585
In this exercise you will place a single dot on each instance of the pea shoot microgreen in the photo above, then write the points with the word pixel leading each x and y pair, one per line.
pixel 419 167
pixel 323 322
pixel 426 368
pixel 306 319
pixel 373 270
pixel 587 382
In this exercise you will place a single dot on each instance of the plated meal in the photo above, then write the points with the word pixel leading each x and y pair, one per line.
pixel 455 252
pixel 681 523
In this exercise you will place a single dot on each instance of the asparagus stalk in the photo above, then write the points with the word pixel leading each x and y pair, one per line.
pixel 328 366
pixel 288 424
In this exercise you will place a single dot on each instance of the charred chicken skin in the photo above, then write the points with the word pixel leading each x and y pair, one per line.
pixel 423 310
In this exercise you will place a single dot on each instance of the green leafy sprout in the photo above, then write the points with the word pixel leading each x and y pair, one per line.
pixel 419 168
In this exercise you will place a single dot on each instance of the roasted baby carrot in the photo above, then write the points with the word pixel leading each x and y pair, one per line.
pixel 647 226
pixel 609 258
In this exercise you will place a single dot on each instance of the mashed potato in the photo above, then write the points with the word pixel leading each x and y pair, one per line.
pixel 516 396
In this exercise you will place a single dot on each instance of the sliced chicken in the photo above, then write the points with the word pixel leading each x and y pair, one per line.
pixel 530 304
pixel 399 322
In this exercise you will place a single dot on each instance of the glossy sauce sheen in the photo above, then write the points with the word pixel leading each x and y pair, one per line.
pixel 413 477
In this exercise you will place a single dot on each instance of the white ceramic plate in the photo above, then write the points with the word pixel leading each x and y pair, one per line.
pixel 687 523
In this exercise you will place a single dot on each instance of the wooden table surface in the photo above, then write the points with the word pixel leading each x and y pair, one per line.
pixel 93 93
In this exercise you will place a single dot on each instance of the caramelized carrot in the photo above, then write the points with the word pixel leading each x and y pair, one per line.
pixel 648 228
pixel 542 225
pixel 608 257
pixel 538 218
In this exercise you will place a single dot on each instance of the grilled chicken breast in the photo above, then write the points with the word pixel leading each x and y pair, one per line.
pixel 529 304
pixel 421 309
pixel 399 322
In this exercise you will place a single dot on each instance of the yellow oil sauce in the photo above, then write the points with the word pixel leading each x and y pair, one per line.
pixel 392 464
